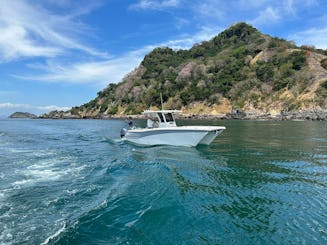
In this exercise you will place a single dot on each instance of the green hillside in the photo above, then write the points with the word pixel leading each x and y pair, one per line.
pixel 239 69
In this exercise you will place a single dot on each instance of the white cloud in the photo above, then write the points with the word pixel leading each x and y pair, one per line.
pixel 270 12
pixel 210 9
pixel 251 4
pixel 155 4
pixel 100 73
pixel 313 36
pixel 268 16
pixel 289 7
pixel 181 22
pixel 29 30
pixel 187 41
pixel 27 106
pixel 13 44
pixel 8 108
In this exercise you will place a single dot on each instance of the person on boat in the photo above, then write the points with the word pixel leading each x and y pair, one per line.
pixel 149 123
pixel 130 123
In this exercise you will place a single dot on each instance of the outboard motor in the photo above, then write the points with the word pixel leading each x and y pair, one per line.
pixel 123 132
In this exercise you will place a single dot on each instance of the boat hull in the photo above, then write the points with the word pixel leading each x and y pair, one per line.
pixel 177 136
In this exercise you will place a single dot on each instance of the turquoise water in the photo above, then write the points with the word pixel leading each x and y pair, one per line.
pixel 74 182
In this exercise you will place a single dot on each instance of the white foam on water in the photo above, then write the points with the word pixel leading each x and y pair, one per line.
pixel 103 204
pixel 6 236
pixel 139 214
pixel 56 234
pixel 22 182
pixel 37 175
pixel 72 192
pixel 132 223
pixel 45 170
pixel 15 150
pixel 42 153
pixel 3 192
pixel 31 152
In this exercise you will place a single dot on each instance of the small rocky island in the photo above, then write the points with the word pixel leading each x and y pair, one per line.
pixel 22 115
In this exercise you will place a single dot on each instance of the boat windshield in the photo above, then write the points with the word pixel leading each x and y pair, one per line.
pixel 161 117
pixel 169 117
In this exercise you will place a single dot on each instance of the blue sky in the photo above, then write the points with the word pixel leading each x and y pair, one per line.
pixel 55 54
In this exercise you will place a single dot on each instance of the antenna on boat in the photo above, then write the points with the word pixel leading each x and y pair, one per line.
pixel 161 101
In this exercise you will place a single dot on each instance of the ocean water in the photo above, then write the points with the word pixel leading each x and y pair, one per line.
pixel 74 182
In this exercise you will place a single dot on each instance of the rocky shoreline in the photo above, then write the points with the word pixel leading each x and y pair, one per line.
pixel 313 115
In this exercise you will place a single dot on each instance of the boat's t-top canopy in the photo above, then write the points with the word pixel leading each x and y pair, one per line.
pixel 154 113
pixel 165 117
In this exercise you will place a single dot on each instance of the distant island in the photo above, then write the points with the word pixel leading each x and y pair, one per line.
pixel 239 74
pixel 22 115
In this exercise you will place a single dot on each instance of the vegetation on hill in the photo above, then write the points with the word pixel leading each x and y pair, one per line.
pixel 240 68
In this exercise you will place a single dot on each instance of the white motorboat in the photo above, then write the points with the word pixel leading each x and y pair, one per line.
pixel 162 130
